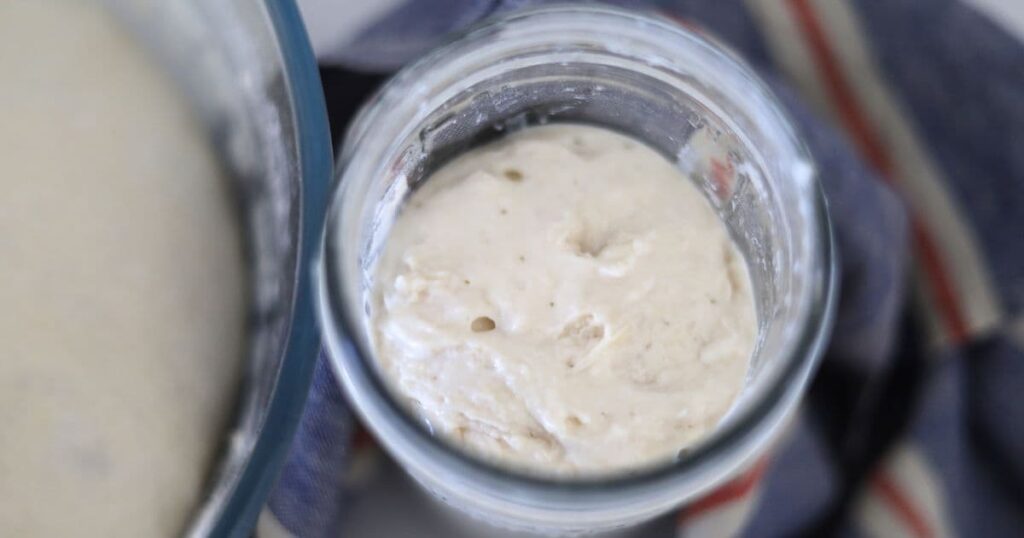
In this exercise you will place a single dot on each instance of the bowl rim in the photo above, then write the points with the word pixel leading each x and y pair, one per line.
pixel 315 159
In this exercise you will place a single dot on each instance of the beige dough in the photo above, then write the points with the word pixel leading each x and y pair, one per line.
pixel 121 284
pixel 564 301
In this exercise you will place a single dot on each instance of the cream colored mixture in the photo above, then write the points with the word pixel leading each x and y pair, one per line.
pixel 122 286
pixel 565 301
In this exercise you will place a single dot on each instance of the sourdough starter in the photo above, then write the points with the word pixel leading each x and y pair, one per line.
pixel 121 284
pixel 564 301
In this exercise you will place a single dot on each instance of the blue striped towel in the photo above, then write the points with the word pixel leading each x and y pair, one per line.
pixel 914 110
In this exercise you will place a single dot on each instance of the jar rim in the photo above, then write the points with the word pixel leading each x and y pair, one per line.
pixel 373 399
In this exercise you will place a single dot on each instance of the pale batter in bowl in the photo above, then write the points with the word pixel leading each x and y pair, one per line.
pixel 122 284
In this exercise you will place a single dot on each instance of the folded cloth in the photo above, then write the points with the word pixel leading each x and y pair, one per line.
pixel 914 111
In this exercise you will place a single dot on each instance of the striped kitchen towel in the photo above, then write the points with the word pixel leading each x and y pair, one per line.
pixel 914 110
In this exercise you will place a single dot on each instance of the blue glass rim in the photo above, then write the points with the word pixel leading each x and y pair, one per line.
pixel 299 69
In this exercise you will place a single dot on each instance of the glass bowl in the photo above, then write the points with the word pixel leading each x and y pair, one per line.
pixel 248 70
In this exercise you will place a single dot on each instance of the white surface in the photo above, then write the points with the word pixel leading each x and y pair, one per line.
pixel 331 24
pixel 1007 13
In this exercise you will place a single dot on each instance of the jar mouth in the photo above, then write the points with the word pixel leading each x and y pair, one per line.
pixel 727 447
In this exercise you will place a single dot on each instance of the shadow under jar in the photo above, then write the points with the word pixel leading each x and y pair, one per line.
pixel 642 76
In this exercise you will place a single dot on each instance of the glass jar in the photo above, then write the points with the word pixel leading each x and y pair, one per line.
pixel 643 76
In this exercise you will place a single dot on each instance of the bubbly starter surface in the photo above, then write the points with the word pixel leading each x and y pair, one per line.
pixel 564 301
pixel 122 286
